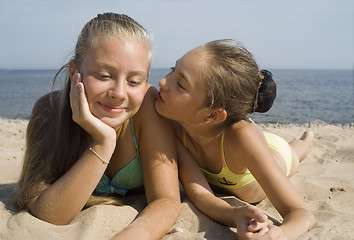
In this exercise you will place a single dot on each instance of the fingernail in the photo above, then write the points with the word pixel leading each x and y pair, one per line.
pixel 253 224
pixel 263 217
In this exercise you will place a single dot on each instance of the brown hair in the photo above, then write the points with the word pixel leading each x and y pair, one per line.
pixel 54 142
pixel 233 80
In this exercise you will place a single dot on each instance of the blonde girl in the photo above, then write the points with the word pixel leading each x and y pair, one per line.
pixel 101 134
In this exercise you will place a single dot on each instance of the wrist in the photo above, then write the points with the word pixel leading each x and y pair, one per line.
pixel 106 143
pixel 102 152
pixel 236 214
pixel 99 157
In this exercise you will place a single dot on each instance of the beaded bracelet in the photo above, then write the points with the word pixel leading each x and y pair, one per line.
pixel 94 152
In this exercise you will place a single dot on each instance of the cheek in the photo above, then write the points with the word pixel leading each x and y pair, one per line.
pixel 92 89
pixel 136 97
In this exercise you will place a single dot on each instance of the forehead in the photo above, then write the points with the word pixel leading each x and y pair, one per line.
pixel 191 66
pixel 115 42
pixel 195 57
pixel 192 63
pixel 118 52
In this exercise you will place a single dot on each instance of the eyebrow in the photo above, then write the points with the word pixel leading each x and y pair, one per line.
pixel 137 72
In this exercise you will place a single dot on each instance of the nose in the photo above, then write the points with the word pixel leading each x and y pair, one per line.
pixel 118 90
pixel 162 83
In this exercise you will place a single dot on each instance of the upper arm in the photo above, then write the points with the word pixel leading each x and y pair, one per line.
pixel 258 158
pixel 157 150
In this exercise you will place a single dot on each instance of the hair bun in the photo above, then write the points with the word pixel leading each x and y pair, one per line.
pixel 267 92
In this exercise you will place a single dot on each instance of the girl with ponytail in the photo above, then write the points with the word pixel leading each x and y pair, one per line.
pixel 210 94
pixel 100 138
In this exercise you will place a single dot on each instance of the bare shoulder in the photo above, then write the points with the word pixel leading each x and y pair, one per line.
pixel 244 133
pixel 147 110
pixel 244 142
pixel 148 121
pixel 178 130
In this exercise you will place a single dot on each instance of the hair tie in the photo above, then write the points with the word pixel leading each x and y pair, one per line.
pixel 267 78
pixel 266 92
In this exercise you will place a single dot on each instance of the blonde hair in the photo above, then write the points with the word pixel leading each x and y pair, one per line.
pixel 54 142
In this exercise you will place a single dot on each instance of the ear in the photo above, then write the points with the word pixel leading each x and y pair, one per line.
pixel 216 116
pixel 72 69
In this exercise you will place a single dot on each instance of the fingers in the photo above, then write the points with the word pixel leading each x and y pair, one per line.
pixel 83 104
pixel 256 214
pixel 257 220
pixel 81 113
pixel 263 231
pixel 255 226
pixel 74 86
pixel 75 79
pixel 78 101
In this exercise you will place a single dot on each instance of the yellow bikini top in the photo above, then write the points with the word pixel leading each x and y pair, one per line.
pixel 226 178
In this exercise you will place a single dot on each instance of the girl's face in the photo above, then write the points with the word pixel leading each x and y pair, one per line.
pixel 114 73
pixel 181 97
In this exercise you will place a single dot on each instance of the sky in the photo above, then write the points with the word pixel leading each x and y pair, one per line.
pixel 302 34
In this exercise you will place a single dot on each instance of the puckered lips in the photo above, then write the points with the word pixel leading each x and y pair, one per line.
pixel 159 98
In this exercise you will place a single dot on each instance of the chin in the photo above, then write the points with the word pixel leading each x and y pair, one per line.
pixel 158 110
pixel 161 113
pixel 113 123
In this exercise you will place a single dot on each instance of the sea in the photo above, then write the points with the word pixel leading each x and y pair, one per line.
pixel 303 96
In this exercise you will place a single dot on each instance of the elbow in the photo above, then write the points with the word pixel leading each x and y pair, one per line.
pixel 51 218
pixel 175 206
pixel 58 223
pixel 172 204
pixel 312 221
pixel 308 219
pixel 61 222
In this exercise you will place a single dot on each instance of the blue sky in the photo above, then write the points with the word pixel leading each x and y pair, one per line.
pixel 37 34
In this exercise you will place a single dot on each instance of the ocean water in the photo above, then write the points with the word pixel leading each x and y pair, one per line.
pixel 303 96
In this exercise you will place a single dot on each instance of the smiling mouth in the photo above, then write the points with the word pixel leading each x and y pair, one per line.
pixel 112 109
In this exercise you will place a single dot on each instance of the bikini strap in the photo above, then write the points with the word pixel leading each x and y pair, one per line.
pixel 133 134
pixel 184 137
pixel 250 119
pixel 222 150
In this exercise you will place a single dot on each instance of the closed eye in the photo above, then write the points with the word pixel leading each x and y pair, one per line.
pixel 103 76
pixel 133 82
pixel 180 86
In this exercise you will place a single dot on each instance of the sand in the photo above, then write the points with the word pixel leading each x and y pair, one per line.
pixel 325 180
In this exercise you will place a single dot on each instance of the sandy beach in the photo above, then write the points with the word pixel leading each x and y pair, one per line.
pixel 325 180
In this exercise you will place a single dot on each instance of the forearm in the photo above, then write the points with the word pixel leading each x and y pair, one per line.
pixel 215 208
pixel 65 198
pixel 297 222
pixel 154 222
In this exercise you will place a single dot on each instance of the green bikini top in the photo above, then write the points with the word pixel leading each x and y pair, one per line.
pixel 129 177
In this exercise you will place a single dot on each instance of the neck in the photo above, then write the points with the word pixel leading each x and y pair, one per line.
pixel 121 127
pixel 202 134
